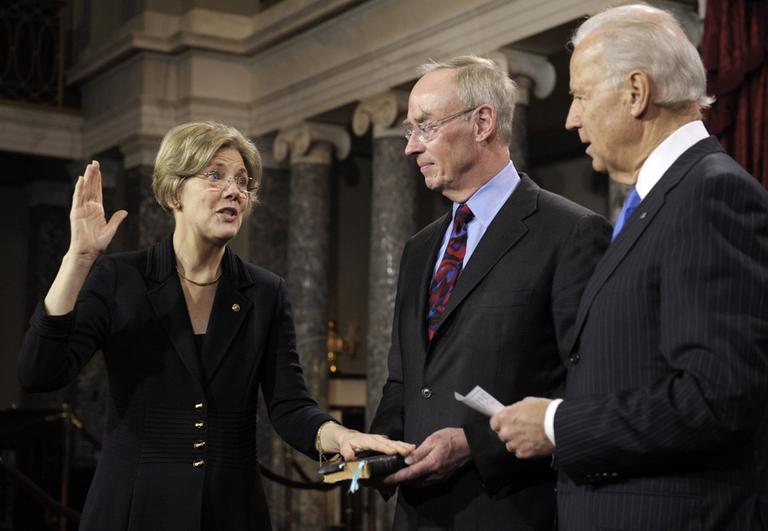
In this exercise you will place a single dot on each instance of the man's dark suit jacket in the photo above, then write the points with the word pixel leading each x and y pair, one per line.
pixel 664 422
pixel 180 437
pixel 506 328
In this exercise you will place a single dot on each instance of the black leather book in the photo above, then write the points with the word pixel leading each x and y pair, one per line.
pixel 373 466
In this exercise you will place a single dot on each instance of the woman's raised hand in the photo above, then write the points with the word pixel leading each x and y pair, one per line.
pixel 90 235
pixel 90 231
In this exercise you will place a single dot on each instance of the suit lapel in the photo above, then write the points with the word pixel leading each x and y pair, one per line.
pixel 167 301
pixel 228 313
pixel 230 308
pixel 637 223
pixel 506 229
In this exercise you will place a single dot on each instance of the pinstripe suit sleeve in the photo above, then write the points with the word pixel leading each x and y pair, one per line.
pixel 711 332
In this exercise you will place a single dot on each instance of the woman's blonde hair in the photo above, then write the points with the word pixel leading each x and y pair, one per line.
pixel 188 148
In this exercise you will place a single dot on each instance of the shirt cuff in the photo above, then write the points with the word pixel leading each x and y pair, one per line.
pixel 549 420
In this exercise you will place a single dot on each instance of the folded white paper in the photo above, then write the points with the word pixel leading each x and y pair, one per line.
pixel 479 400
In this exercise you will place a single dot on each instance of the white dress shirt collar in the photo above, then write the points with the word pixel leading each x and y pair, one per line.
pixel 666 153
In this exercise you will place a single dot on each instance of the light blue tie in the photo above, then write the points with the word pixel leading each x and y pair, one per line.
pixel 633 199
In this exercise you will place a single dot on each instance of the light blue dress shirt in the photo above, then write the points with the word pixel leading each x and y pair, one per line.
pixel 484 204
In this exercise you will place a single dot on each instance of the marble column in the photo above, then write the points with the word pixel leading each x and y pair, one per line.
pixel 268 247
pixel 393 221
pixel 154 223
pixel 311 147
pixel 48 203
pixel 533 75
pixel 147 222
pixel 268 224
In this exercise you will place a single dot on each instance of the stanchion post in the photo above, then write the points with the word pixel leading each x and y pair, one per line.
pixel 66 434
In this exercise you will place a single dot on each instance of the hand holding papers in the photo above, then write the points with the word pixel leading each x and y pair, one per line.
pixel 479 400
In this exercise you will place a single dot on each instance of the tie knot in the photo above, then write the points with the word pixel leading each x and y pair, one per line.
pixel 463 215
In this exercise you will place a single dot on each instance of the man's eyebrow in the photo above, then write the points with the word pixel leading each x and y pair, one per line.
pixel 425 117
pixel 416 121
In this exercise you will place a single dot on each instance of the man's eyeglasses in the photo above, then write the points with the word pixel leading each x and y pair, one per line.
pixel 426 131
pixel 217 178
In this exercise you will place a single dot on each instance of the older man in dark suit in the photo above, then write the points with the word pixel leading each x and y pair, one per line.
pixel 487 296
pixel 663 424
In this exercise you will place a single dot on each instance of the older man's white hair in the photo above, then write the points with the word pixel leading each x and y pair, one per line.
pixel 642 37
pixel 481 81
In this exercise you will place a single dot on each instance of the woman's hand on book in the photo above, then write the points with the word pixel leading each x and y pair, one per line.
pixel 349 443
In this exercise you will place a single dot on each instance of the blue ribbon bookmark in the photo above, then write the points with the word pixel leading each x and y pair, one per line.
pixel 354 485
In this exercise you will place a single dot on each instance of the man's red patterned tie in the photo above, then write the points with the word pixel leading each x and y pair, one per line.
pixel 449 269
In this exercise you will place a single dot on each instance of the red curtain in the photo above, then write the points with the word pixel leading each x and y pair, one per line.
pixel 735 52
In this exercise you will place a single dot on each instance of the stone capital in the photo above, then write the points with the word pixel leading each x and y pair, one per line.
pixel 526 65
pixel 383 111
pixel 312 142
pixel 140 150
pixel 265 145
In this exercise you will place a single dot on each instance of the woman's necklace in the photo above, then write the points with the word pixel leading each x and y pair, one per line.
pixel 201 284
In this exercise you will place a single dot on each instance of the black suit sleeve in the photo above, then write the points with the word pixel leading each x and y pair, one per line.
pixel 55 348
pixel 712 336
pixel 576 262
pixel 576 259
pixel 292 411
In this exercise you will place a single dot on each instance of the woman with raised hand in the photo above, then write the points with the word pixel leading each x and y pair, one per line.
pixel 189 332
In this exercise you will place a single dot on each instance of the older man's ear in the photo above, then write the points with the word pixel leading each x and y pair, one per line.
pixel 641 89
pixel 486 122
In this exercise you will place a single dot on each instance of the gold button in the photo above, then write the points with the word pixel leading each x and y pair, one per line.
pixel 198 444
pixel 235 307
pixel 199 424
pixel 199 405
pixel 199 462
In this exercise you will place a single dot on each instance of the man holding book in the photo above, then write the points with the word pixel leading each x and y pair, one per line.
pixel 487 296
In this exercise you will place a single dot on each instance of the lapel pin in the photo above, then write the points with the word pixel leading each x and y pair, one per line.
pixel 235 307
pixel 642 216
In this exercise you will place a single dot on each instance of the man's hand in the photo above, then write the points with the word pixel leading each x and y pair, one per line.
pixel 434 460
pixel 521 428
